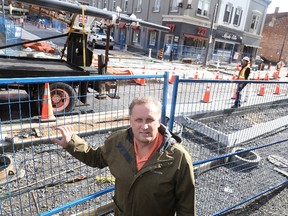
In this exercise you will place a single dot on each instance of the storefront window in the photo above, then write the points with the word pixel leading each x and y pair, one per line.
pixel 194 42
pixel 219 45
pixel 136 36
pixel 229 46
pixel 223 51
pixel 168 39
pixel 223 46
pixel 152 39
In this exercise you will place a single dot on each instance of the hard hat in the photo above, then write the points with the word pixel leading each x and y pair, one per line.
pixel 246 58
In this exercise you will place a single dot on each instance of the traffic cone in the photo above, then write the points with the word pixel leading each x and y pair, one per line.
pixel 94 61
pixel 235 94
pixel 47 110
pixel 262 90
pixel 275 75
pixel 234 77
pixel 238 66
pixel 171 81
pixel 277 89
pixel 258 77
pixel 142 80
pixel 206 97
pixel 267 76
pixel 217 76
pixel 196 75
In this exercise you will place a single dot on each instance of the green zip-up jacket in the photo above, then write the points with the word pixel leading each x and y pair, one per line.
pixel 163 186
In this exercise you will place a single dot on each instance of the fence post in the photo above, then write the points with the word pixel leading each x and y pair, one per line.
pixel 173 102
pixel 165 97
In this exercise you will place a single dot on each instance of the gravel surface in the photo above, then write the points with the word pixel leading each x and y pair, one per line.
pixel 53 178
pixel 226 185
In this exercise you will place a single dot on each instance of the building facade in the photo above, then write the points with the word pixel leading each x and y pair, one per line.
pixel 239 28
pixel 224 30
pixel 274 45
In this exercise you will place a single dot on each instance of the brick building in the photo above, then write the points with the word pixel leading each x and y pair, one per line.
pixel 274 44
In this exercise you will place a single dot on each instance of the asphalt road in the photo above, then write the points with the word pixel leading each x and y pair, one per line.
pixel 44 33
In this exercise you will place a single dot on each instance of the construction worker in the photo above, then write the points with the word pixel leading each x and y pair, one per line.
pixel 243 75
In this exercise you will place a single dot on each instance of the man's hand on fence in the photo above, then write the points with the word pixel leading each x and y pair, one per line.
pixel 67 132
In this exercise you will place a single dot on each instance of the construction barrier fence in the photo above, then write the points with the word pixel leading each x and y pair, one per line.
pixel 238 154
pixel 10 33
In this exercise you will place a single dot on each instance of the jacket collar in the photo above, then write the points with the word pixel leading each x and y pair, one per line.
pixel 169 138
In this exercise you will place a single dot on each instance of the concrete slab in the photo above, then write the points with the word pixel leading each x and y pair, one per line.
pixel 240 136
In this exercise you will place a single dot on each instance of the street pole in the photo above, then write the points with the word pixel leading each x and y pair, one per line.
pixel 211 34
pixel 3 11
pixel 283 45
pixel 108 33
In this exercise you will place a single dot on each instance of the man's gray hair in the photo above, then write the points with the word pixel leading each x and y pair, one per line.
pixel 145 100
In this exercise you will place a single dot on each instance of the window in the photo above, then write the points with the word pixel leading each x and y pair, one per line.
pixel 114 6
pixel 125 6
pixel 152 39
pixel 203 7
pixel 105 4
pixel 254 22
pixel 237 16
pixel 139 6
pixel 168 39
pixel 99 4
pixel 156 7
pixel 228 13
pixel 136 36
pixel 174 6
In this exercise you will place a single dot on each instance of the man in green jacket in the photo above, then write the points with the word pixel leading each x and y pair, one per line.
pixel 153 172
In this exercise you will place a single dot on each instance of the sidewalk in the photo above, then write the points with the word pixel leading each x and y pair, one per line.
pixel 28 36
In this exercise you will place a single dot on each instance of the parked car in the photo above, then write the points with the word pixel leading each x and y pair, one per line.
pixel 258 60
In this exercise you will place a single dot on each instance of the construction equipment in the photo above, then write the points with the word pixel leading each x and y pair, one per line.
pixel 79 19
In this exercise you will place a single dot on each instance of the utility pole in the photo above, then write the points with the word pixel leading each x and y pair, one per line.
pixel 283 45
pixel 211 34
pixel 3 11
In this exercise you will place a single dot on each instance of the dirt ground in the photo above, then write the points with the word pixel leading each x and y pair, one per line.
pixel 53 178
pixel 273 203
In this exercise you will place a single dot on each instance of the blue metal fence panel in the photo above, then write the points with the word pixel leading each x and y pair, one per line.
pixel 231 149
pixel 12 33
pixel 216 135
pixel 38 177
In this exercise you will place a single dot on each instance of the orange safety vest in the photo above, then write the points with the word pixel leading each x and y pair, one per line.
pixel 241 75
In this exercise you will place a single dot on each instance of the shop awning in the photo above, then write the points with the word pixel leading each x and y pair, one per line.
pixel 254 46
pixel 122 25
pixel 194 37
pixel 135 27
pixel 152 30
